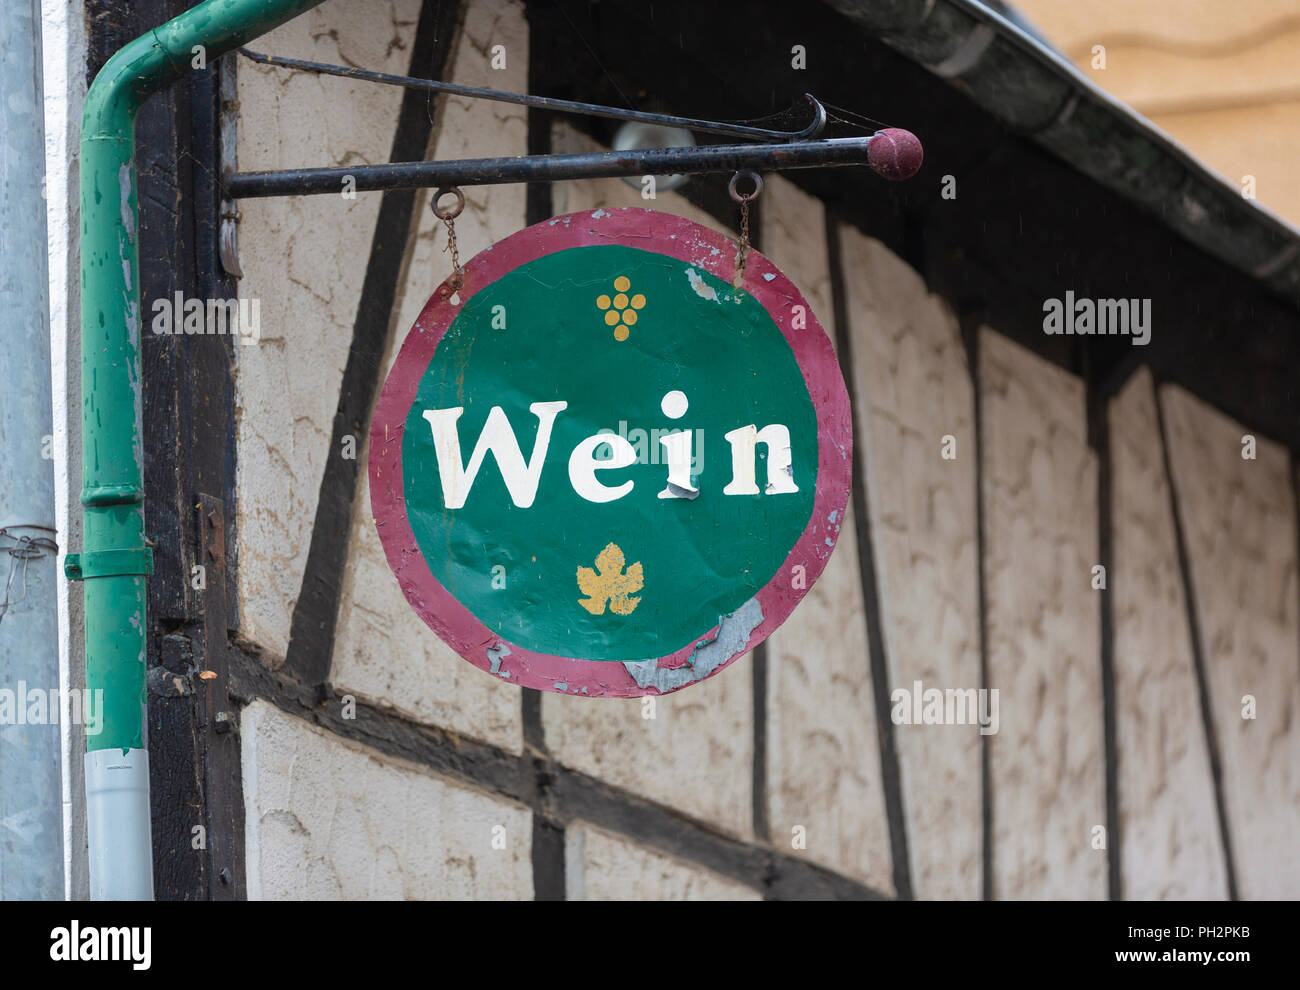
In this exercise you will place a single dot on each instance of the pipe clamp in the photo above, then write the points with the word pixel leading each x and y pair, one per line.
pixel 108 563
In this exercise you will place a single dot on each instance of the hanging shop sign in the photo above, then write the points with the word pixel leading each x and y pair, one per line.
pixel 598 468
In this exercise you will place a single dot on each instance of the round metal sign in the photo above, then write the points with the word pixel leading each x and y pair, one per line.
pixel 602 470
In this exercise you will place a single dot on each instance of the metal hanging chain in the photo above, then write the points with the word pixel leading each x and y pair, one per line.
pixel 25 548
pixel 546 103
pixel 744 199
pixel 448 217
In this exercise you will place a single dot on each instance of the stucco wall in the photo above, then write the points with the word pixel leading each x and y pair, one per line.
pixel 1238 515
pixel 384 651
pixel 328 820
pixel 305 259
pixel 1171 842
pixel 600 866
pixel 1040 519
pixel 328 817
pixel 825 780
pixel 915 402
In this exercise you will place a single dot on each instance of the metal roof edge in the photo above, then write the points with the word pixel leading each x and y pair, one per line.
pixel 1035 91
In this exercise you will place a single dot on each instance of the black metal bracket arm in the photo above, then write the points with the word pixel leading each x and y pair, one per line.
pixel 543 168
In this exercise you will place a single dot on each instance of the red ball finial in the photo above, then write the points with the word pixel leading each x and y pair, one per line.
pixel 895 154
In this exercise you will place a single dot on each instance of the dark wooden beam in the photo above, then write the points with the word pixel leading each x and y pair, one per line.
pixel 549 857
pixel 169 190
pixel 569 796
pixel 1099 439
pixel 971 321
pixel 891 776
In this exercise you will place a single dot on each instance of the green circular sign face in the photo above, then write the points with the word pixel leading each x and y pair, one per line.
pixel 602 471
pixel 706 556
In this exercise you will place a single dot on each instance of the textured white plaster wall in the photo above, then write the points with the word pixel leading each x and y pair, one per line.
pixel 601 866
pixel 1170 845
pixel 317 831
pixel 824 775
pixel 384 651
pixel 914 390
pixel 314 832
pixel 1040 503
pixel 1240 526
pixel 305 259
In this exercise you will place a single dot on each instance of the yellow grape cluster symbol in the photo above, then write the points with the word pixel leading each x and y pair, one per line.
pixel 621 311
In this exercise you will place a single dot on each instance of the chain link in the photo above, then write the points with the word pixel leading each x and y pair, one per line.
pixel 448 217
pixel 744 199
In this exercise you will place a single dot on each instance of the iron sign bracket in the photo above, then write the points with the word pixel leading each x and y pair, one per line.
pixel 739 129
pixel 772 150
pixel 543 168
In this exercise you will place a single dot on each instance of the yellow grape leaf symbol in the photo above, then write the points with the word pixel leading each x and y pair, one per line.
pixel 608 583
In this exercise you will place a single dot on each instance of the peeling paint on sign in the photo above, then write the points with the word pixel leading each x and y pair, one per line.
pixel 727 641
pixel 702 288
pixel 592 478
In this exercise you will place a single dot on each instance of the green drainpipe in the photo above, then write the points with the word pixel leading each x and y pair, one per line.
pixel 115 558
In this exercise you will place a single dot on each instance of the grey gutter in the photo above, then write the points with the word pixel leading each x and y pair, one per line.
pixel 1034 91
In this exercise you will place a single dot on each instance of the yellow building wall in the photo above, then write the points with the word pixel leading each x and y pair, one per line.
pixel 1222 79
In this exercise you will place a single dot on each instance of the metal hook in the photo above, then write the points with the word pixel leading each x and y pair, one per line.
pixel 818 121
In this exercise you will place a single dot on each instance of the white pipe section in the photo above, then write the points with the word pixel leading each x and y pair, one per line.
pixel 117 792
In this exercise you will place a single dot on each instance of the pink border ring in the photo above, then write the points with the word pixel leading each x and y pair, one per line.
pixel 674 237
